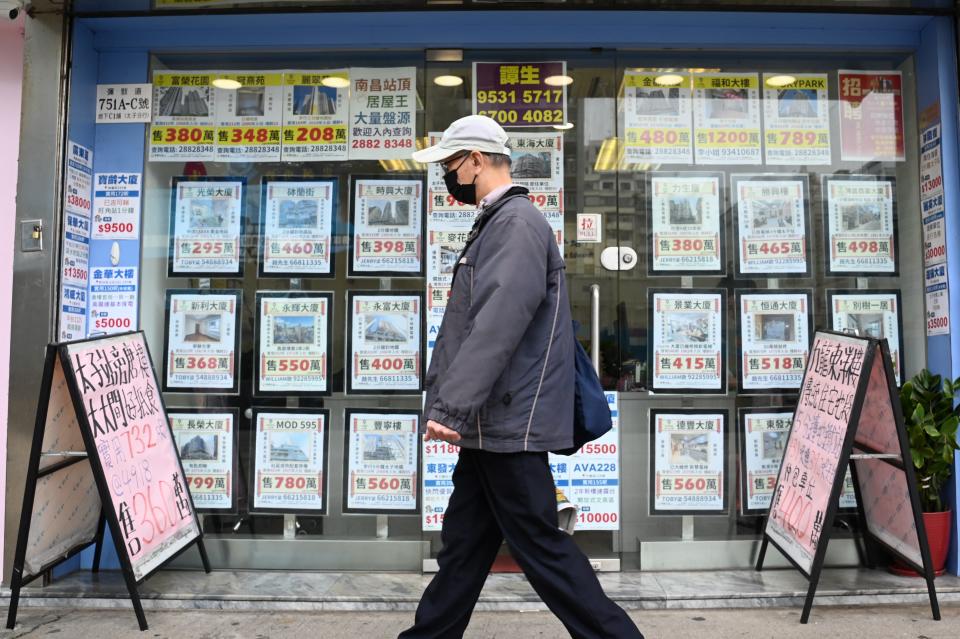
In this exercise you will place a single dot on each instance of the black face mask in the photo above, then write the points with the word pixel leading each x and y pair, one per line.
pixel 466 193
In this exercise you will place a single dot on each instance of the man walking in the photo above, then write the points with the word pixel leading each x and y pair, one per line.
pixel 501 386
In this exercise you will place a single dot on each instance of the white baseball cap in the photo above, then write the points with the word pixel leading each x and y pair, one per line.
pixel 471 133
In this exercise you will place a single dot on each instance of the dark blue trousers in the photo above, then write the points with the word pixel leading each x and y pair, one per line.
pixel 511 496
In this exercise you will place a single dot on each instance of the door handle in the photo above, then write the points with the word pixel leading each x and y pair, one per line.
pixel 595 327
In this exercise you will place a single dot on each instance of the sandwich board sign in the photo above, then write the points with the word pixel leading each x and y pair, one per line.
pixel 103 455
pixel 848 415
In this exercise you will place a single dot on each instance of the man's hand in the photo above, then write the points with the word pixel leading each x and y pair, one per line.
pixel 438 432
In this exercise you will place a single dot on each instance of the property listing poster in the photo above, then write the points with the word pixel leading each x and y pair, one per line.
pixel 383 109
pixel 937 298
pixel 75 265
pixel 201 342
pixel 688 340
pixel 315 115
pixel 387 227
pixel 932 209
pixel 796 119
pixel 206 444
pixel 687 469
pixel 249 118
pixel 293 342
pixel 296 227
pixel 290 450
pixel 206 222
pixel 184 117
pixel 726 118
pixel 113 299
pixel 771 225
pixel 871 116
pixel 861 224
pixel 763 438
pixel 439 460
pixel 384 343
pixel 774 339
pixel 380 474
pixel 657 118
pixel 686 226
pixel 519 95
pixel 537 164
pixel 116 206
pixel 869 314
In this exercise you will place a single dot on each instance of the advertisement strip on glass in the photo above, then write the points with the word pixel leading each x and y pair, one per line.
pixel 383 113
pixel 381 461
pixel 184 117
pixel 870 313
pixel 293 343
pixel 439 460
pixel 297 219
pixel 861 225
pixel 289 468
pixel 202 343
pixel 686 223
pixel 726 118
pixel 207 441
pixel 688 461
pixel 384 345
pixel 772 225
pixel 871 116
pixel 688 352
pixel 521 94
pixel 249 118
pixel 796 119
pixel 206 226
pixel 774 340
pixel 657 112
pixel 315 115
pixel 386 227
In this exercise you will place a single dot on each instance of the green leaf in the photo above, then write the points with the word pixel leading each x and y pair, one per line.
pixel 931 429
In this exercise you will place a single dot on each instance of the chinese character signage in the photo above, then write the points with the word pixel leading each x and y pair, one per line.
pixel 688 461
pixel 657 118
pixel 116 206
pixel 774 339
pixel 772 224
pixel 293 343
pixel 75 264
pixel 870 313
pixel 521 94
pixel 206 225
pixel 296 227
pixel 763 438
pixel 381 448
pixel 113 299
pixel 537 164
pixel 383 109
pixel 726 118
pixel 796 119
pixel 937 299
pixel 386 224
pixel 383 343
pixel 315 114
pixel 202 341
pixel 289 460
pixel 249 117
pixel 686 223
pixel 861 225
pixel 932 209
pixel 124 103
pixel 871 116
pixel 207 441
pixel 184 117
pixel 439 460
pixel 688 351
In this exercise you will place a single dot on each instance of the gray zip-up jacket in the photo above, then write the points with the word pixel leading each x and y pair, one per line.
pixel 502 373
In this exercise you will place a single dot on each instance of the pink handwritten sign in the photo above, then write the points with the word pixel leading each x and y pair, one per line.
pixel 128 437
pixel 812 458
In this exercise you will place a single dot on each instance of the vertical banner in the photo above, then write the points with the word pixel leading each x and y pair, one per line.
pixel 537 163
pixel 384 343
pixel 774 339
pixel 796 119
pixel 383 113
pixel 861 225
pixel 293 343
pixel 871 116
pixel 932 209
pixel 688 461
pixel 206 226
pixel 772 225
pixel 249 117
pixel 657 118
pixel 202 341
pixel 382 463
pixel 726 118
pixel 74 269
pixel 207 441
pixel 872 313
pixel 315 114
pixel 184 117
pixel 521 94
pixel 386 226
pixel 688 352
pixel 686 223
pixel 439 460
pixel 289 460
pixel 296 227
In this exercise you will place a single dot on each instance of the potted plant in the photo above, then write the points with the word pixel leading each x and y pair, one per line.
pixel 931 420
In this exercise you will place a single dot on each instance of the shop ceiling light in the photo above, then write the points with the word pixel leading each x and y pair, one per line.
pixel 226 83
pixel 668 80
pixel 780 80
pixel 558 80
pixel 448 80
pixel 335 82
pixel 563 127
